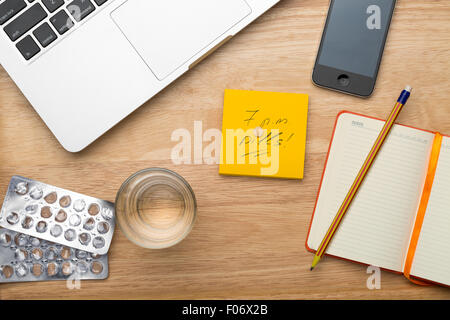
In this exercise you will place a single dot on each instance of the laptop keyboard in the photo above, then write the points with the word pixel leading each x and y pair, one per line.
pixel 32 25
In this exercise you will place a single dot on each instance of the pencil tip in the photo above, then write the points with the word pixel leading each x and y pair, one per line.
pixel 312 268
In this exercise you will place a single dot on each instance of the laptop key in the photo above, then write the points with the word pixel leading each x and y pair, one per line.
pixel 23 23
pixel 10 8
pixel 27 47
pixel 61 22
pixel 44 34
pixel 100 2
pixel 80 9
pixel 52 5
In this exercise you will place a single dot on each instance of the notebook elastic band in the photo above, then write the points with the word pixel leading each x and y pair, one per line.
pixel 434 157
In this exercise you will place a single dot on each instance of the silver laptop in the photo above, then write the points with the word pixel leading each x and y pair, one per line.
pixel 85 65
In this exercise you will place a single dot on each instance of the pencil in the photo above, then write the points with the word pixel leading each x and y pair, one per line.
pixel 404 96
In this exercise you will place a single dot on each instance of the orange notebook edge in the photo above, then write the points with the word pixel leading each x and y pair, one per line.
pixel 423 205
pixel 320 187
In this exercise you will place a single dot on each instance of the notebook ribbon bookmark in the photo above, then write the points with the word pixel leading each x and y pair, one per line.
pixel 434 157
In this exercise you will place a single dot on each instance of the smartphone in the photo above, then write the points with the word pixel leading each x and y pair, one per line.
pixel 352 45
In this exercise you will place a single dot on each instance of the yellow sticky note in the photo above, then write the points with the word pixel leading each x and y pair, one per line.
pixel 264 134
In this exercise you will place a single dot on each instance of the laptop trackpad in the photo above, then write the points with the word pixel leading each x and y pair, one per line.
pixel 168 33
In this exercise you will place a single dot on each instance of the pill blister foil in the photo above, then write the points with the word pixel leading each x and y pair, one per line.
pixel 24 258
pixel 58 215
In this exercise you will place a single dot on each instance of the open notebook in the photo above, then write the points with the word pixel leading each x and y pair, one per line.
pixel 378 227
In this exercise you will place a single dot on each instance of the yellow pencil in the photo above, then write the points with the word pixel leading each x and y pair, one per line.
pixel 361 175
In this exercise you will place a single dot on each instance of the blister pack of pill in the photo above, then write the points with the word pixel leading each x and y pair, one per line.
pixel 24 258
pixel 58 215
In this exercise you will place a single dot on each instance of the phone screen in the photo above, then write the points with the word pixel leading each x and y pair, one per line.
pixel 355 35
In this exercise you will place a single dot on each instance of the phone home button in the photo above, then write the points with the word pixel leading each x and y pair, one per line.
pixel 343 80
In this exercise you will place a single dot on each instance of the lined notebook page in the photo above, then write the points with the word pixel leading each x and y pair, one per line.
pixel 432 258
pixel 378 224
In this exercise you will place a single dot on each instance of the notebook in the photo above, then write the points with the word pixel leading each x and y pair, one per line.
pixel 264 134
pixel 379 225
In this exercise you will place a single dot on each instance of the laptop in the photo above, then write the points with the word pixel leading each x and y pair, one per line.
pixel 84 65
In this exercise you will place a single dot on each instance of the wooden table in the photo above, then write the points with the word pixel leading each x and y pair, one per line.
pixel 248 241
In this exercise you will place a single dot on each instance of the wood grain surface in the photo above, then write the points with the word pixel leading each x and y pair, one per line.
pixel 249 238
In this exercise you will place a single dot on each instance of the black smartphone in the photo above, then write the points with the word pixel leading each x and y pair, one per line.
pixel 352 45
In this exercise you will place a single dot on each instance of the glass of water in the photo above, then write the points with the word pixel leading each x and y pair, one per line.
pixel 156 208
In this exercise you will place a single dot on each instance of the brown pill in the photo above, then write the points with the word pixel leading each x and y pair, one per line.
pixel 52 269
pixel 41 226
pixel 37 269
pixel 46 212
pixel 84 238
pixel 96 267
pixel 51 197
pixel 89 224
pixel 5 239
pixel 8 271
pixel 65 201
pixel 66 253
pixel 12 218
pixel 37 253
pixel 94 209
pixel 61 216
pixel 21 239
pixel 66 268
pixel 27 222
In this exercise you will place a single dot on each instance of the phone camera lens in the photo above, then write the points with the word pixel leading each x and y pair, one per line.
pixel 343 80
